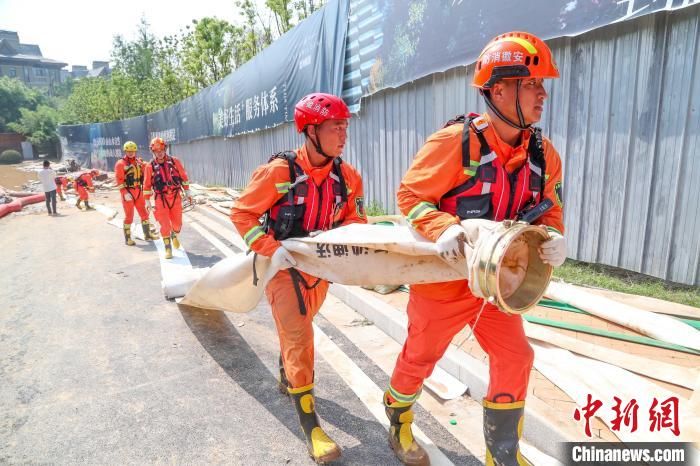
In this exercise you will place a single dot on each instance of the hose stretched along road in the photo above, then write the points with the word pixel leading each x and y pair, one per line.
pixel 17 204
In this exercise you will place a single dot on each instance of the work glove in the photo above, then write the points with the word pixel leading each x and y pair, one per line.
pixel 450 244
pixel 553 251
pixel 315 233
pixel 149 206
pixel 128 197
pixel 282 259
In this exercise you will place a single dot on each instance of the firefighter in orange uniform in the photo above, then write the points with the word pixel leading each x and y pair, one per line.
pixel 129 172
pixel 493 166
pixel 310 189
pixel 61 185
pixel 83 185
pixel 165 178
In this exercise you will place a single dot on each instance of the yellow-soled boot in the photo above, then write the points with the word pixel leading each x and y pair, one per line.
pixel 176 242
pixel 127 235
pixel 401 439
pixel 503 427
pixel 168 248
pixel 321 447
pixel 147 233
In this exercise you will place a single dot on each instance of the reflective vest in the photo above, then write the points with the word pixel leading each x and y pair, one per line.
pixel 133 173
pixel 166 177
pixel 491 192
pixel 305 207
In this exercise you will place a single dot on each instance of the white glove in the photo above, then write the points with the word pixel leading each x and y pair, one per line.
pixel 149 206
pixel 553 251
pixel 450 244
pixel 128 197
pixel 282 259
pixel 315 233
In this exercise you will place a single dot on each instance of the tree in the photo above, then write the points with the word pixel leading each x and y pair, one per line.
pixel 305 8
pixel 136 58
pixel 39 126
pixel 208 51
pixel 283 14
pixel 14 95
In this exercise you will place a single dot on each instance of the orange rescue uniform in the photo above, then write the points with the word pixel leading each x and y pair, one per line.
pixel 165 181
pixel 438 311
pixel 129 173
pixel 294 328
pixel 83 184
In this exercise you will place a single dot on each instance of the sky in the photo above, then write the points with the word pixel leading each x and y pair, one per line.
pixel 79 32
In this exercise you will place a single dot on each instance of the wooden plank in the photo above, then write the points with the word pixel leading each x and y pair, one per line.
pixel 677 375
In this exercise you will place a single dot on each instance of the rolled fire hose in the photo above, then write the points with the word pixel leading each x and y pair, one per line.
pixel 509 270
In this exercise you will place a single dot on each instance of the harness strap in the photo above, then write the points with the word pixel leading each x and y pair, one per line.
pixel 297 281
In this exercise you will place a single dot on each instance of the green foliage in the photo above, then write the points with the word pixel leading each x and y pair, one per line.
pixel 136 58
pixel 207 51
pixel 38 125
pixel 14 95
pixel 10 156
pixel 282 10
pixel 611 278
pixel 375 209
pixel 152 73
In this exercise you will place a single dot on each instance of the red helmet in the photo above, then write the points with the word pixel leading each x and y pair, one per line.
pixel 514 55
pixel 94 172
pixel 316 108
pixel 157 144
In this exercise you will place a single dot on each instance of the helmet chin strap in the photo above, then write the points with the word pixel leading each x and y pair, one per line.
pixel 317 146
pixel 521 119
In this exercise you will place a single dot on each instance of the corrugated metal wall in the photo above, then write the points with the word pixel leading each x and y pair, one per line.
pixel 625 117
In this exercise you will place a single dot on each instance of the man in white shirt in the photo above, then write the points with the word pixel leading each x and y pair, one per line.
pixel 47 177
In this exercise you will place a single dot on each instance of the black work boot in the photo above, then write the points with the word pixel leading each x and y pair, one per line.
pixel 321 448
pixel 407 450
pixel 77 204
pixel 503 427
pixel 88 206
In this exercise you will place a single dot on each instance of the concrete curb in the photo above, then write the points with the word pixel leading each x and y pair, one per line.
pixel 542 430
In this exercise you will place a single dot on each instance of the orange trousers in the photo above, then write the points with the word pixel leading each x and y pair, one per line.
pixel 82 192
pixel 139 202
pixel 295 331
pixel 168 212
pixel 431 326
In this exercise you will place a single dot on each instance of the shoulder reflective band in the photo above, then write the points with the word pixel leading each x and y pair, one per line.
pixel 283 188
